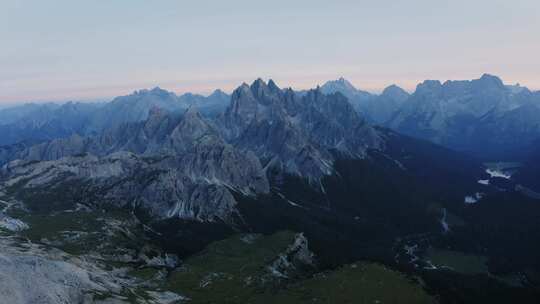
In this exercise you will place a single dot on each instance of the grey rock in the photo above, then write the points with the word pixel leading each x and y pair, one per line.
pixel 295 133
pixel 170 166
pixel 481 116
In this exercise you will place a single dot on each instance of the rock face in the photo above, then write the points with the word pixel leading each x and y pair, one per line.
pixel 33 275
pixel 186 187
pixel 43 122
pixel 433 104
pixel 170 166
pixel 40 270
pixel 475 116
pixel 36 123
pixel 210 105
pixel 186 166
pixel 297 255
pixel 358 98
pixel 377 109
pixel 133 108
pixel 483 117
pixel 295 133
pixel 383 107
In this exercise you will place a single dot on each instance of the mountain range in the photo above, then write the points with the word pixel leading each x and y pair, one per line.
pixel 482 117
pixel 41 122
pixel 396 179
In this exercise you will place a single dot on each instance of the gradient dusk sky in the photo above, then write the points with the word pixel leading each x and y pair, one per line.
pixel 59 50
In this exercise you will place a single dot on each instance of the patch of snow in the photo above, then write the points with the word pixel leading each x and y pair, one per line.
pixel 289 201
pixel 293 203
pixel 473 199
pixel 444 223
pixel 484 182
pixel 497 173
pixel 430 266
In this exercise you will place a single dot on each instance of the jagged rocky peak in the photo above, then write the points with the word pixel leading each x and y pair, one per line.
pixel 157 125
pixel 454 87
pixel 518 89
pixel 191 131
pixel 161 92
pixel 273 86
pixel 243 91
pixel 468 115
pixel 336 125
pixel 259 87
pixel 154 91
pixel 395 92
pixel 153 96
pixel 333 105
pixel 294 132
pixel 265 93
pixel 192 122
pixel 488 80
pixel 344 87
pixel 428 86
pixel 486 84
pixel 340 83
pixel 253 103
pixel 187 170
pixel 243 103
pixel 218 93
pixel 132 108
pixel 358 98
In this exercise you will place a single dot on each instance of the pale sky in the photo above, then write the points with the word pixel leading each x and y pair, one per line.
pixel 59 50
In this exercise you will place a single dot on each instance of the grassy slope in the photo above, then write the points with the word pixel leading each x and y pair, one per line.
pixel 223 271
pixel 356 283
pixel 458 261
pixel 234 271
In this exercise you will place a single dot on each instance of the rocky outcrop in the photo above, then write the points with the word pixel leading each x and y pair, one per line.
pixel 210 105
pixel 296 258
pixel 196 185
pixel 383 107
pixel 183 165
pixel 29 274
pixel 133 108
pixel 358 98
pixel 481 116
pixel 295 133
pixel 169 166
pixel 34 123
